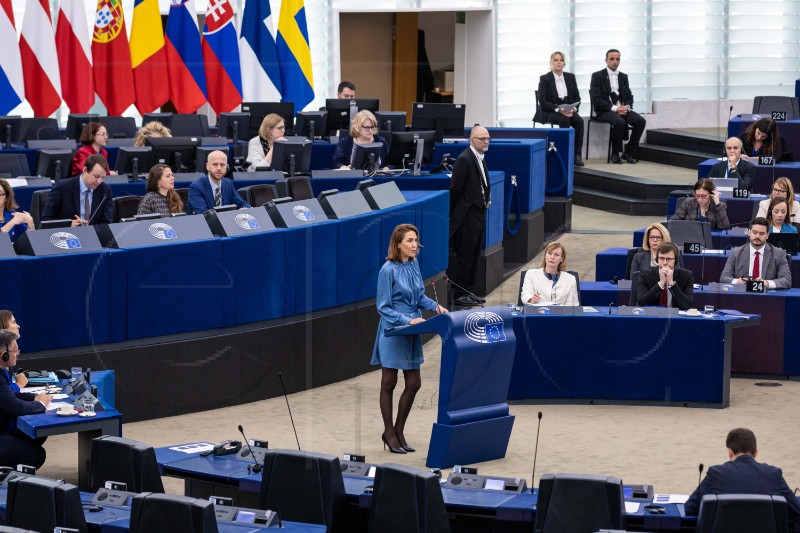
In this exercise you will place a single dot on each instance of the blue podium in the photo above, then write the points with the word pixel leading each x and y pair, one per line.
pixel 473 424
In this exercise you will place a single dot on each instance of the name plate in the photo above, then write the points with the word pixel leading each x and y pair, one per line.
pixel 692 248
pixel 779 115
pixel 725 287
pixel 766 160
pixel 741 193
pixel 756 285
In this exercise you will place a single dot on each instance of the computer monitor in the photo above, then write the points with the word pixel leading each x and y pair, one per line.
pixel 446 119
pixel 292 157
pixel 234 126
pixel 340 112
pixel 202 153
pixel 367 156
pixel 55 224
pixel 787 241
pixel 393 121
pixel 177 152
pixel 9 129
pixel 54 164
pixel 412 149
pixel 163 118
pixel 311 124
pixel 76 123
pixel 135 160
pixel 259 110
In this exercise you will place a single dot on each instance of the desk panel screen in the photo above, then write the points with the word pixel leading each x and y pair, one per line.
pixel 494 484
pixel 245 517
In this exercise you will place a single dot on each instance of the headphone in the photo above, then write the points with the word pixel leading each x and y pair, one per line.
pixel 4 334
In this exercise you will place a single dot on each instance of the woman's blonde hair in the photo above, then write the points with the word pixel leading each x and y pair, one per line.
pixel 151 129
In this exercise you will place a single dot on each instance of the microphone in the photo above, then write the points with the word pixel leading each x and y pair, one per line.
pixel 610 305
pixel 256 466
pixel 465 290
pixel 536 452
pixel 99 207
pixel 280 376
pixel 700 473
pixel 433 284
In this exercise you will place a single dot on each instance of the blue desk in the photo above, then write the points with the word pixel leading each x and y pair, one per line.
pixel 764 175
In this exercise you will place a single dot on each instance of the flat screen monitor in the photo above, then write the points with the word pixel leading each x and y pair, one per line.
pixel 201 157
pixel 311 124
pixel 135 160
pixel 76 123
pixel 259 110
pixel 339 111
pixel 292 157
pixel 9 129
pixel 407 151
pixel 163 118
pixel 177 152
pixel 234 126
pixel 54 164
pixel 58 223
pixel 787 241
pixel 393 121
pixel 367 156
pixel 446 119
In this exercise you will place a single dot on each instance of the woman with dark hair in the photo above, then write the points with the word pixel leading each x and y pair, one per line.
pixel 259 149
pixel 94 138
pixel 401 295
pixel 762 138
pixel 778 216
pixel 15 222
pixel 705 206
pixel 161 196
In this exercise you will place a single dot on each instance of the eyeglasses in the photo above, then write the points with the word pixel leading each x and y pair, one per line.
pixel 779 191
pixel 663 259
pixel 279 127
pixel 103 134
pixel 483 139
pixel 656 238
pixel 368 128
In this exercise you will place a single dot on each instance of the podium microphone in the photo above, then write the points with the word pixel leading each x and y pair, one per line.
pixel 475 296
pixel 256 467
pixel 280 376
pixel 436 296
pixel 700 474
pixel 536 452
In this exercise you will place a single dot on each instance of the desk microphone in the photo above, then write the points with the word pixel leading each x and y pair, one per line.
pixel 280 376
pixel 700 474
pixel 433 284
pixel 256 467
pixel 536 452
pixel 475 296
pixel 99 207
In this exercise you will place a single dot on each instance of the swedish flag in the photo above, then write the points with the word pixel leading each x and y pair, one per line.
pixel 294 55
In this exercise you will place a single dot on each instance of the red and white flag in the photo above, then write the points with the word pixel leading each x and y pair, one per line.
pixel 37 46
pixel 74 56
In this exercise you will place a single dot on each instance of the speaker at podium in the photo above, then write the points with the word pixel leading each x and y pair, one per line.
pixel 239 222
pixel 58 241
pixel 296 214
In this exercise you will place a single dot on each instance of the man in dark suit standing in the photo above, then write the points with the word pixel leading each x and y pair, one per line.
pixel 470 197
pixel 743 475
pixel 84 199
pixel 612 101
pixel 665 285
pixel 558 92
pixel 758 260
pixel 213 189
pixel 735 166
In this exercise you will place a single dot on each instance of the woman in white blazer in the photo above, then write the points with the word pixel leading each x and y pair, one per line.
pixel 551 284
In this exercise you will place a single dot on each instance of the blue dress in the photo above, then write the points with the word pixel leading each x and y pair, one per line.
pixel 401 295
pixel 17 230
pixel 786 228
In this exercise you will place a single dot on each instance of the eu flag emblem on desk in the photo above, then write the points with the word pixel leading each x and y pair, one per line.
pixel 495 333
pixel 73 243
pixel 170 234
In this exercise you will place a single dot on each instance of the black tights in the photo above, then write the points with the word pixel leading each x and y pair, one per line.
pixel 413 382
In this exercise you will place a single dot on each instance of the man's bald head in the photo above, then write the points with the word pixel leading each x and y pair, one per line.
pixel 479 138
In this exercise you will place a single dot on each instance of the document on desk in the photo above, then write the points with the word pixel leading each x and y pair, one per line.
pixel 670 498
pixel 37 390
pixel 195 447
pixel 632 507
pixel 589 309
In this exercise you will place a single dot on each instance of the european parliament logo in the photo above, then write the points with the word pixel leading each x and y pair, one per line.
pixel 246 221
pixel 484 327
pixel 301 212
pixel 65 240
pixel 159 230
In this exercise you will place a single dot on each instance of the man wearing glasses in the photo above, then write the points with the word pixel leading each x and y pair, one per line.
pixel 734 167
pixel 84 199
pixel 665 285
pixel 470 197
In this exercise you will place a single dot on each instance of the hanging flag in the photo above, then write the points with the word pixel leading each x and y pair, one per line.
pixel 12 86
pixel 74 56
pixel 261 76
pixel 294 55
pixel 187 77
pixel 113 79
pixel 37 47
pixel 148 57
pixel 221 55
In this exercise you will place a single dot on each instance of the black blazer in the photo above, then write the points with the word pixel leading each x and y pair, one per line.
pixel 782 151
pixel 465 187
pixel 745 173
pixel 14 404
pixel 64 199
pixel 600 91
pixel 648 292
pixel 548 94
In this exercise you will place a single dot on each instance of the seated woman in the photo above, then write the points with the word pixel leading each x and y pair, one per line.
pixel 778 216
pixel 781 188
pixel 15 446
pixel 762 138
pixel 161 196
pixel 362 131
pixel 551 283
pixel 152 129
pixel 654 236
pixel 705 206
pixel 259 150
pixel 15 222
pixel 557 88
pixel 94 138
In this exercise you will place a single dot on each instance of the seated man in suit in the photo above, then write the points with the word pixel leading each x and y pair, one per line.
pixel 665 285
pixel 735 167
pixel 612 101
pixel 84 199
pixel 758 260
pixel 213 189
pixel 743 475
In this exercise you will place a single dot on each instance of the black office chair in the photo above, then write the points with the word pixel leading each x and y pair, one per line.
pixel 629 260
pixel 163 118
pixel 156 513
pixel 548 124
pixel 38 128
pixel 126 461
pixel 119 127
pixel 634 297
pixel 14 164
pixel 125 207
pixel 765 105
pixel 407 500
pixel 184 194
pixel 522 281
pixel 594 120
pixel 298 187
pixel 755 211
pixel 189 125
pixel 43 504
pixel 256 195
pixel 602 504
pixel 38 202
pixel 742 513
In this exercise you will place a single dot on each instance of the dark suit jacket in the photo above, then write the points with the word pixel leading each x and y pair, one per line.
pixel 201 197
pixel 743 475
pixel 649 293
pixel 773 265
pixel 548 94
pixel 14 404
pixel 745 173
pixel 64 199
pixel 782 151
pixel 600 91
pixel 641 261
pixel 465 188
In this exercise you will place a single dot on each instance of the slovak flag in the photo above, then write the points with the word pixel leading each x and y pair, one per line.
pixel 12 88
pixel 187 77
pixel 221 55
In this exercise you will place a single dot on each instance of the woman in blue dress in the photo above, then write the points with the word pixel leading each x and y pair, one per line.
pixel 401 295
pixel 15 222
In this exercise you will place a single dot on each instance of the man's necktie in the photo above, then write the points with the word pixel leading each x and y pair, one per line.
pixel 218 196
pixel 87 206
pixel 757 266
pixel 663 302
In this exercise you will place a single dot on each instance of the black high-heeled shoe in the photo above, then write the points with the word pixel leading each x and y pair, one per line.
pixel 391 449
pixel 406 446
